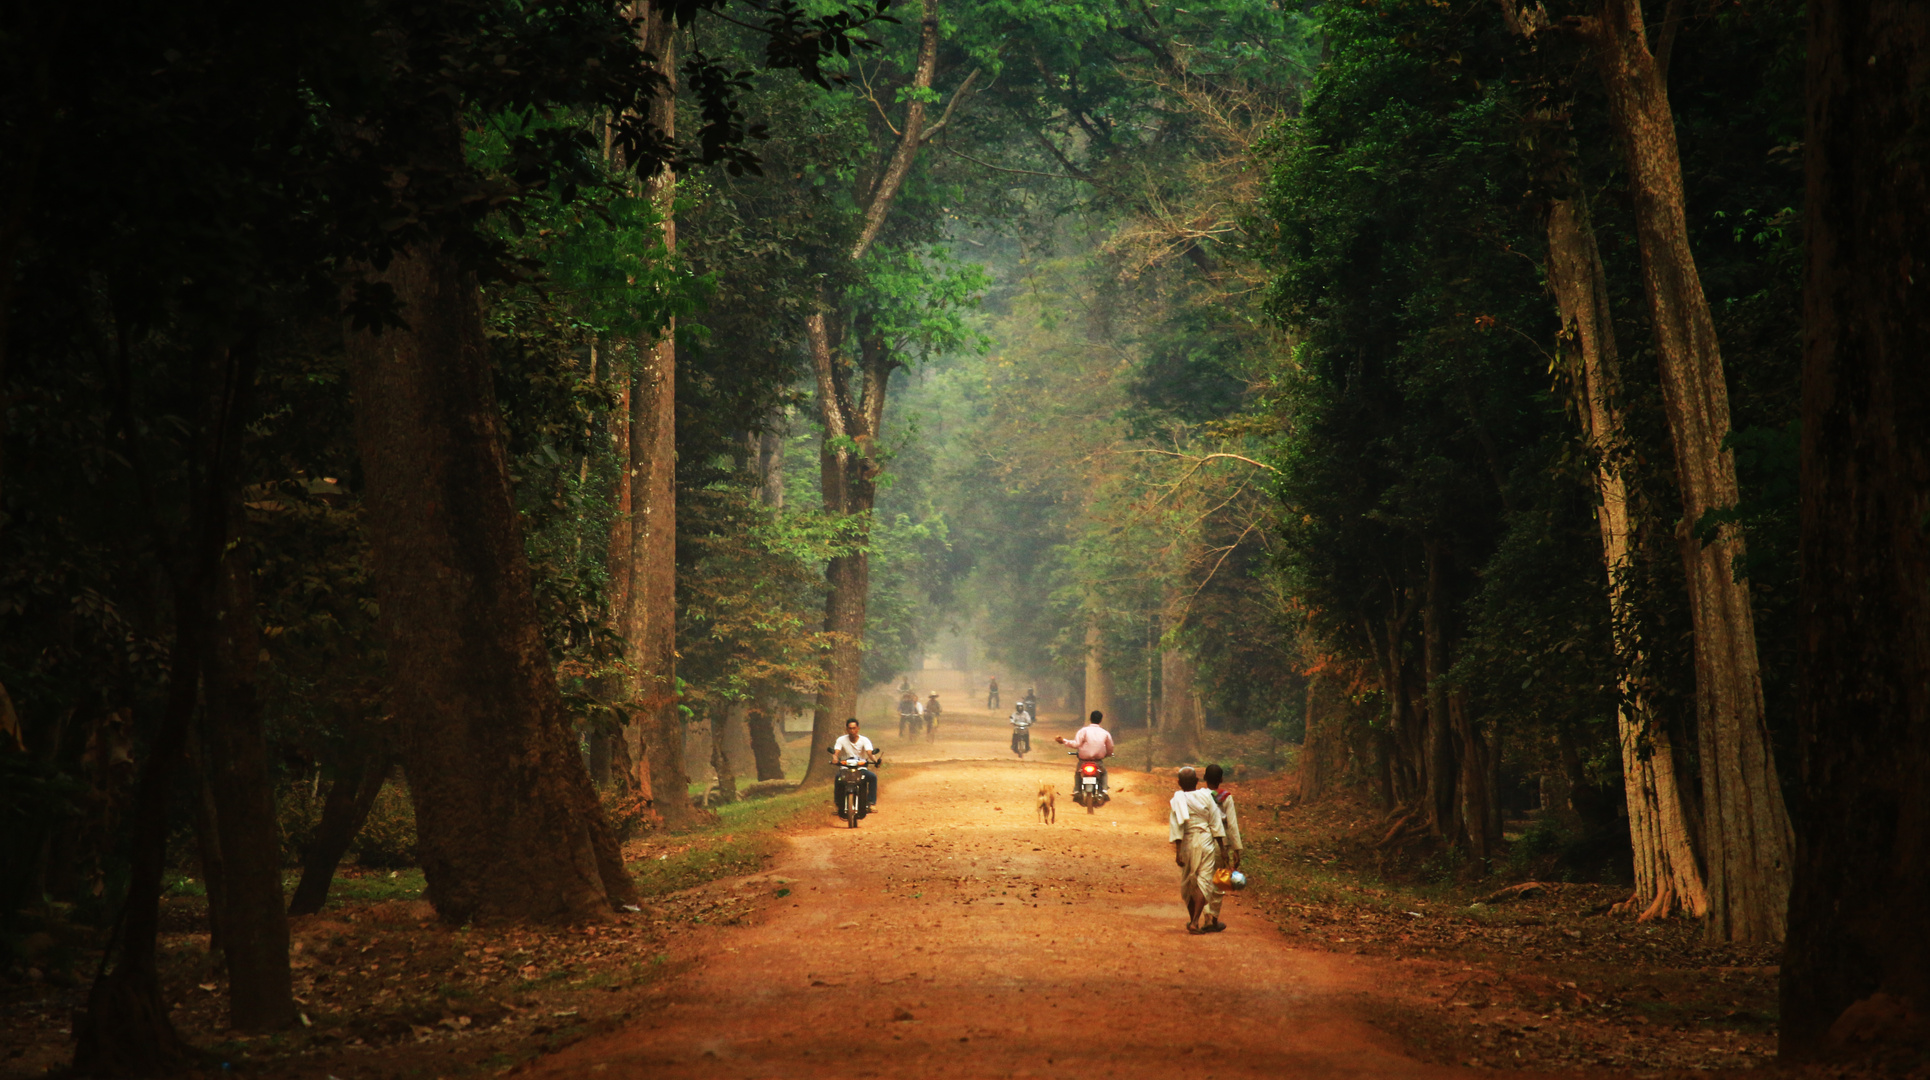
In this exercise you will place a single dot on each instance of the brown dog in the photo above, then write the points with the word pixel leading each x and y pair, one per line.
pixel 1048 804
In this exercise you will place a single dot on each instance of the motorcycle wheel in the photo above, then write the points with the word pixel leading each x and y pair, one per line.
pixel 852 808
pixel 1092 804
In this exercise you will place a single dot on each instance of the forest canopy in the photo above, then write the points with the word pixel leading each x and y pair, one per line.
pixel 1502 412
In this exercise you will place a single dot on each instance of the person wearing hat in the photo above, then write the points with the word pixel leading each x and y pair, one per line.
pixel 1198 832
pixel 1230 819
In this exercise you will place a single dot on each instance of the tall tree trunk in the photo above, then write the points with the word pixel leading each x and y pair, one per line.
pixel 766 459
pixel 1667 877
pixel 126 1029
pixel 1319 746
pixel 852 425
pixel 648 619
pixel 1099 694
pixel 720 762
pixel 848 474
pixel 1747 839
pixel 1441 769
pixel 765 747
pixel 350 798
pixel 507 823
pixel 1178 705
pixel 254 921
pixel 1857 962
pixel 1480 813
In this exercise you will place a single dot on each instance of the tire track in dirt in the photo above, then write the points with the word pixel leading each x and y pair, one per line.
pixel 954 936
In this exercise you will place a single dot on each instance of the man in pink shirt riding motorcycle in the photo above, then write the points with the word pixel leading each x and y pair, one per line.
pixel 1092 743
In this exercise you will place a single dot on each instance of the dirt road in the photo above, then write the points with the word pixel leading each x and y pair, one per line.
pixel 953 935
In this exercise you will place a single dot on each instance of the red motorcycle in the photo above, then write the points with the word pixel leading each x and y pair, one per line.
pixel 1089 785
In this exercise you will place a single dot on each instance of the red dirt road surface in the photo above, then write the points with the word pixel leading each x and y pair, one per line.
pixel 953 935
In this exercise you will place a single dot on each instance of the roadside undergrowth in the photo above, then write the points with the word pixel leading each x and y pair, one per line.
pixel 385 990
pixel 1548 981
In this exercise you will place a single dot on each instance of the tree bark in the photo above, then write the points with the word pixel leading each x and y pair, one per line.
pixel 720 762
pixel 507 824
pixel 126 1029
pixel 848 474
pixel 766 750
pixel 1667 878
pixel 1747 841
pixel 1178 705
pixel 847 466
pixel 1857 961
pixel 1098 695
pixel 1480 814
pixel 647 618
pixel 350 798
pixel 254 920
pixel 1441 769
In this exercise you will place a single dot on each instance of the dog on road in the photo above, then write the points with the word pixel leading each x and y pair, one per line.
pixel 1048 804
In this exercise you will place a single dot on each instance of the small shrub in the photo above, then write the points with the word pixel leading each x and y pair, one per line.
pixel 298 812
pixel 387 839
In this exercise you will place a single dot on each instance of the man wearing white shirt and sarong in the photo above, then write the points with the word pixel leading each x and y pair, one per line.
pixel 1197 831
pixel 1230 817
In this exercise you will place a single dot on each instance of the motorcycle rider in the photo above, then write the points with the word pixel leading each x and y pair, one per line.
pixel 1092 743
pixel 1021 722
pixel 992 694
pixel 853 745
pixel 931 717
pixel 907 709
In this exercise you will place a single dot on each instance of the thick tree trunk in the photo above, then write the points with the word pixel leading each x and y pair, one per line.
pixel 1178 703
pixel 1667 877
pixel 765 747
pixel 350 798
pixel 507 823
pixel 647 618
pixel 852 425
pixel 1320 747
pixel 848 474
pixel 254 921
pixel 126 1030
pixel 1747 841
pixel 720 762
pixel 1480 814
pixel 1098 694
pixel 1857 963
pixel 1441 769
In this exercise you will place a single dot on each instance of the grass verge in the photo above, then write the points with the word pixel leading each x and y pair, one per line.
pixel 744 836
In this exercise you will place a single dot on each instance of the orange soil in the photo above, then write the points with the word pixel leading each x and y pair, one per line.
pixel 953 935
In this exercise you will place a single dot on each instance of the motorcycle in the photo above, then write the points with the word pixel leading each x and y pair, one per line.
pixel 1089 785
pixel 848 790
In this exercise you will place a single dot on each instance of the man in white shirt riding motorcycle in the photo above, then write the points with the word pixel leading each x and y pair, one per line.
pixel 852 746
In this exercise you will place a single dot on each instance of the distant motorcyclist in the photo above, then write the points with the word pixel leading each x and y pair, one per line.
pixel 932 710
pixel 1092 743
pixel 852 746
pixel 992 694
pixel 907 710
pixel 1021 722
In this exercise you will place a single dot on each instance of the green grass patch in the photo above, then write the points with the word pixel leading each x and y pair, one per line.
pixel 742 838
pixel 367 886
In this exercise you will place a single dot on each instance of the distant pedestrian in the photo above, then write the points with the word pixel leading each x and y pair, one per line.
pixel 1197 831
pixel 992 694
pixel 1230 815
pixel 931 717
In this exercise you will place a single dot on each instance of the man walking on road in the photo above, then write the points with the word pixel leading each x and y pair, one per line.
pixel 1197 831
pixel 1230 817
pixel 992 694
